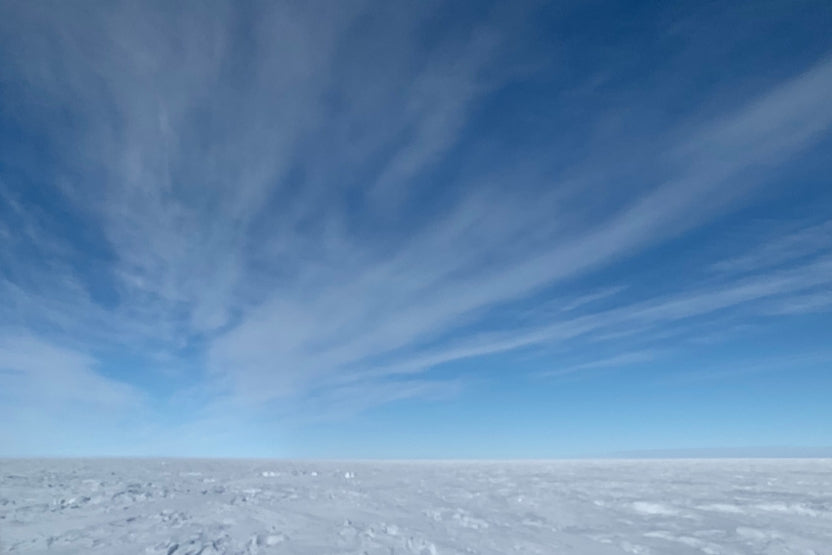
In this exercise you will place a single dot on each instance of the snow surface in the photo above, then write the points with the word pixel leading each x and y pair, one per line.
pixel 178 507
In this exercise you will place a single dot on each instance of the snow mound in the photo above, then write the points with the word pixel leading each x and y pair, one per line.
pixel 181 507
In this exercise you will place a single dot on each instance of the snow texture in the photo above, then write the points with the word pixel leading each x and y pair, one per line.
pixel 179 507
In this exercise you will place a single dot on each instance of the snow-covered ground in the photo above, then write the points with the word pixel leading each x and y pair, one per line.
pixel 182 507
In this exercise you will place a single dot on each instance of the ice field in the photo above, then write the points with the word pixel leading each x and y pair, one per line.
pixel 176 506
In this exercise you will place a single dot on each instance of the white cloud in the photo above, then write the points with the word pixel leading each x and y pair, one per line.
pixel 252 192
pixel 443 278
pixel 54 401
pixel 34 372
pixel 784 248
pixel 617 361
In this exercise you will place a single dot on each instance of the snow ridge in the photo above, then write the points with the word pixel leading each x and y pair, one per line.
pixel 190 507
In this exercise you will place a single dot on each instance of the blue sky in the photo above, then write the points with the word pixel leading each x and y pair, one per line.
pixel 414 229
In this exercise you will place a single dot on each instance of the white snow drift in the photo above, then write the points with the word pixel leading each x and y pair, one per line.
pixel 178 507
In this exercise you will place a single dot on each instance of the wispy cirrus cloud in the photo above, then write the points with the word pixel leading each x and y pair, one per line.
pixel 28 363
pixel 782 248
pixel 397 316
pixel 296 203
pixel 622 360
pixel 52 397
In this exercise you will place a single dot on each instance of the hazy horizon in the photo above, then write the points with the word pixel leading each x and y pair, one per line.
pixel 697 453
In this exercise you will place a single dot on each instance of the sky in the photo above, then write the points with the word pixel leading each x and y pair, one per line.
pixel 414 229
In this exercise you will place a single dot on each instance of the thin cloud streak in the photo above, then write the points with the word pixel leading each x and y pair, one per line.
pixel 640 317
pixel 261 201
pixel 617 361
pixel 413 318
